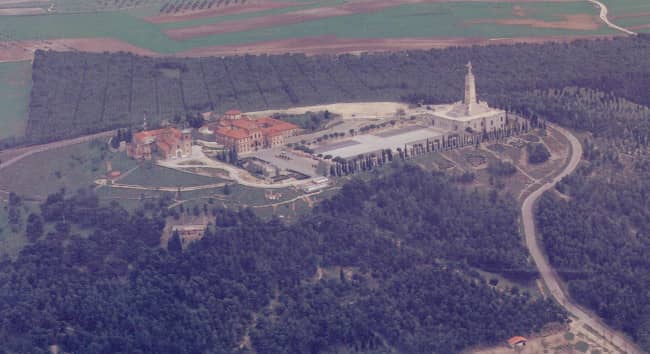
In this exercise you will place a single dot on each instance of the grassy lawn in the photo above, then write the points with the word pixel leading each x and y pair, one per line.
pixel 15 83
pixel 11 242
pixel 434 161
pixel 256 196
pixel 156 176
pixel 70 167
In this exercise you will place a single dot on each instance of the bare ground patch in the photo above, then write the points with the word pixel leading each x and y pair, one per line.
pixel 518 11
pixel 335 45
pixel 349 8
pixel 15 2
pixel 577 22
pixel 24 50
pixel 18 11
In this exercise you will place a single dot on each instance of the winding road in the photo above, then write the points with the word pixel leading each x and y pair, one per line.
pixel 604 16
pixel 549 276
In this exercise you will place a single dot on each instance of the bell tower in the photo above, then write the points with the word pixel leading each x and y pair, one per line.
pixel 470 89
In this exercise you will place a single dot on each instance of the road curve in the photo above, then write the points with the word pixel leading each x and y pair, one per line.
pixel 549 276
pixel 605 18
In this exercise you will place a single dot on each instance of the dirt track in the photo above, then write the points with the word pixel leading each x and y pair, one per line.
pixel 335 45
pixel 24 50
pixel 604 16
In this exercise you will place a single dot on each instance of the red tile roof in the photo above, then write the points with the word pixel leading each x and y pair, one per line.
pixel 241 128
pixel 141 137
pixel 516 340
pixel 164 138
pixel 271 126
pixel 246 123
pixel 232 133
pixel 233 112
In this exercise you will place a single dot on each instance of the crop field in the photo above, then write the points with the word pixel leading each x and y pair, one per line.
pixel 329 19
pixel 487 20
pixel 631 14
pixel 15 83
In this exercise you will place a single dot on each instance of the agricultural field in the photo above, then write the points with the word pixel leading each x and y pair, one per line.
pixel 222 27
pixel 334 20
pixel 631 14
pixel 15 83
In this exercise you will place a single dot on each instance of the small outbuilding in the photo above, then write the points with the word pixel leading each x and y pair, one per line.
pixel 517 341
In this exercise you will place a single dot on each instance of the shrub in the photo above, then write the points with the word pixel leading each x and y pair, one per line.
pixel 501 168
pixel 537 153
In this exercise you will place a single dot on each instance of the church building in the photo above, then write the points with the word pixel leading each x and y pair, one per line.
pixel 166 143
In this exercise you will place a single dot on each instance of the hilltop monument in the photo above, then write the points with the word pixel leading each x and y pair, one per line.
pixel 470 113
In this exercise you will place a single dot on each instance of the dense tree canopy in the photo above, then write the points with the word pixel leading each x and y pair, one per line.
pixel 402 252
pixel 537 153
pixel 599 241
pixel 75 93
pixel 600 112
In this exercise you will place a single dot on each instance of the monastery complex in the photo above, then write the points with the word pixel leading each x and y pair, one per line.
pixel 244 134
pixel 271 147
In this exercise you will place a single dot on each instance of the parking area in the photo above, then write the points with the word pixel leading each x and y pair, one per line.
pixel 368 143
pixel 286 159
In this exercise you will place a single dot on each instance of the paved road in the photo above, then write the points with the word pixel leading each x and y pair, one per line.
pixel 102 183
pixel 549 276
pixel 31 150
pixel 604 16
pixel 237 174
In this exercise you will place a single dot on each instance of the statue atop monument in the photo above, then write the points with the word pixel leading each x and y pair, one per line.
pixel 470 105
pixel 470 88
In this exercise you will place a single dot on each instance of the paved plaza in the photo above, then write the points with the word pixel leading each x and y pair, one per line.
pixel 368 143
